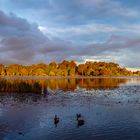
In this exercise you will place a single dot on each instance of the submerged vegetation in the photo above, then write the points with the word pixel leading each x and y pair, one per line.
pixel 66 68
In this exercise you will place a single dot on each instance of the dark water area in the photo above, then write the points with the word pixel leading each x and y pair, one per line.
pixel 110 108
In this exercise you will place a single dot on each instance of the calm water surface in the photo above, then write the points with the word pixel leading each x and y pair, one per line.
pixel 110 108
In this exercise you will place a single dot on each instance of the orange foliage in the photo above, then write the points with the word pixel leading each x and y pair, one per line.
pixel 65 68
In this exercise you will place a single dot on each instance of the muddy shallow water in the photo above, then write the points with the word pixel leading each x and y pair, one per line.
pixel 110 108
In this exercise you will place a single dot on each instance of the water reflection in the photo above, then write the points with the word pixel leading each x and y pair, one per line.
pixel 111 112
pixel 44 86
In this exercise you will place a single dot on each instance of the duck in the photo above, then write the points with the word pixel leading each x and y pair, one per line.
pixel 80 120
pixel 56 120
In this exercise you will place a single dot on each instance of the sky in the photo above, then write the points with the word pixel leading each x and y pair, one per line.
pixel 41 31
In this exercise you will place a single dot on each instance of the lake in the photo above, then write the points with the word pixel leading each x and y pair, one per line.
pixel 110 108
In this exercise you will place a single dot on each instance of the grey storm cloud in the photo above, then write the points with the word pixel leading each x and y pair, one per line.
pixel 23 42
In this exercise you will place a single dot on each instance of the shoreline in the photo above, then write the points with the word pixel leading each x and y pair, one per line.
pixel 67 77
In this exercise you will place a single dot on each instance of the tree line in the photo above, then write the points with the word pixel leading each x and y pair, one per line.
pixel 66 68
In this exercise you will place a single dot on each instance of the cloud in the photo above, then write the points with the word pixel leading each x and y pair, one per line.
pixel 92 32
pixel 74 12
pixel 119 49
pixel 90 29
pixel 69 30
pixel 23 42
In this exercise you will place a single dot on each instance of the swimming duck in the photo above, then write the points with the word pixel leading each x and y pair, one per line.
pixel 80 120
pixel 56 120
